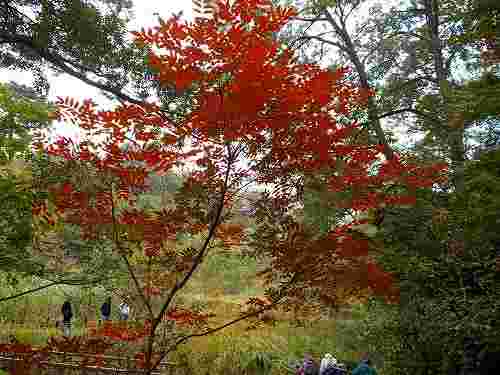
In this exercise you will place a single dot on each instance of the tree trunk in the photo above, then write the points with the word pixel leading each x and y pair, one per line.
pixel 471 351
pixel 373 113
pixel 457 157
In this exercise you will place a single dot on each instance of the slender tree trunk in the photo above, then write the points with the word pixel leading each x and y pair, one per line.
pixel 149 352
pixel 457 156
pixel 456 133
pixel 150 339
pixel 373 113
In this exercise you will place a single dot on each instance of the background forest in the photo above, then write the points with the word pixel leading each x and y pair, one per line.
pixel 433 66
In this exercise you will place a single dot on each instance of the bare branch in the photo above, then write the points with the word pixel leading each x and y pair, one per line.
pixel 401 85
pixel 411 110
pixel 355 5
pixel 308 19
pixel 307 28
pixel 29 291
pixel 408 33
pixel 361 28
pixel 53 283
pixel 342 15
pixel 371 51
pixel 342 32
pixel 322 40
pixel 61 63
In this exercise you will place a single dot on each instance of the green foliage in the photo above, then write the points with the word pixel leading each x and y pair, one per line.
pixel 447 293
pixel 320 211
pixel 482 190
pixel 230 272
pixel 148 201
pixel 15 223
pixel 374 329
pixel 479 20
pixel 18 114
pixel 477 100
pixel 257 363
pixel 169 183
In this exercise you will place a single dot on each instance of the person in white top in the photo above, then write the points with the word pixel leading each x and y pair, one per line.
pixel 328 364
pixel 124 311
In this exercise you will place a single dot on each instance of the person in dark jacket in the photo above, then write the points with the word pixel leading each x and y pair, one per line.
pixel 364 368
pixel 106 309
pixel 67 316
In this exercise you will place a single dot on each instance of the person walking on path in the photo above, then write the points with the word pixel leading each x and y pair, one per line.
pixel 106 309
pixel 364 368
pixel 330 366
pixel 67 315
pixel 124 311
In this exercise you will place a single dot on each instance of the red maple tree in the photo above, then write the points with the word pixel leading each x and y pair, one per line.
pixel 252 101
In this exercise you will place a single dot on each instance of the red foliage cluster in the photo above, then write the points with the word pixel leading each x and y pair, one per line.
pixel 121 331
pixel 231 234
pixel 31 357
pixel 186 317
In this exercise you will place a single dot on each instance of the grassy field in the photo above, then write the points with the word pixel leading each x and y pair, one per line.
pixel 223 283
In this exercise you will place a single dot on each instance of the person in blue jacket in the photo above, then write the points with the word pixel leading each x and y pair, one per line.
pixel 364 368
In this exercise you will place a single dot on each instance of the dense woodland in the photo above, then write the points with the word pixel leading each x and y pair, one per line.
pixel 273 179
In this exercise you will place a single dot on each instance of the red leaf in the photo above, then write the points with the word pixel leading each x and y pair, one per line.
pixel 67 188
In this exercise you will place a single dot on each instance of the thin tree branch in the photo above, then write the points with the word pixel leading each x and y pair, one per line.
pixel 52 283
pixel 30 291
pixel 403 110
pixel 331 21
pixel 355 5
pixel 307 28
pixel 361 29
pixel 60 63
pixel 308 19
pixel 343 16
pixel 408 33
pixel 401 85
pixel 322 40
pixel 371 51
